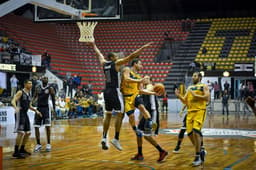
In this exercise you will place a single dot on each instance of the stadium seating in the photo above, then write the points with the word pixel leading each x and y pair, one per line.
pixel 69 55
pixel 229 41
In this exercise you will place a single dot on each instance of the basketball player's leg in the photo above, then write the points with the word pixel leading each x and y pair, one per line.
pixel 48 136
pixel 118 125
pixel 198 121
pixel 18 143
pixel 181 135
pixel 148 121
pixel 26 137
pixel 139 155
pixel 24 142
pixel 180 139
pixel 22 126
pixel 162 153
pixel 129 109
pixel 106 124
pixel 189 126
pixel 46 120
pixel 118 106
pixel 37 125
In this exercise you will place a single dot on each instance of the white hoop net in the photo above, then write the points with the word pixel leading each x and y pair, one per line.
pixel 86 31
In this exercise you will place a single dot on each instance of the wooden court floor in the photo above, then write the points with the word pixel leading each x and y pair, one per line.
pixel 230 144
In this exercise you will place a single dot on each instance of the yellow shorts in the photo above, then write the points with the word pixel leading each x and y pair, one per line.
pixel 195 120
pixel 129 103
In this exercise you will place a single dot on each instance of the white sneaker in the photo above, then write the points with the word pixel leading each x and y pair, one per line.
pixel 48 148
pixel 104 144
pixel 116 144
pixel 38 148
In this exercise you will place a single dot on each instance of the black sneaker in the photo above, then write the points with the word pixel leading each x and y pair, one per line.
pixel 176 150
pixel 203 153
pixel 104 144
pixel 18 155
pixel 26 153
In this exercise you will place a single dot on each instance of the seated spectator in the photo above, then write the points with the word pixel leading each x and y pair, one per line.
pixel 85 103
pixel 60 107
pixel 71 105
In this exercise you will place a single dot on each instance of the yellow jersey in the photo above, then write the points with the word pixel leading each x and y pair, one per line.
pixel 128 88
pixel 194 103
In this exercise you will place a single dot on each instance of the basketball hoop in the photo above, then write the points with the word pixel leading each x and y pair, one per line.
pixel 86 31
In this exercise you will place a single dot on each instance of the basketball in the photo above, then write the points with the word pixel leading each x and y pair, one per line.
pixel 159 88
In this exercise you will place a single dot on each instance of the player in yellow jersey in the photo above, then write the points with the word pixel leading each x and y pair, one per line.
pixel 131 87
pixel 196 99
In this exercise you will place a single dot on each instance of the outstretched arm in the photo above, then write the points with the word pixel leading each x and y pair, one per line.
pixel 133 55
pixel 99 54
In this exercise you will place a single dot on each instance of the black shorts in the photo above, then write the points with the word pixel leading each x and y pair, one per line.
pixel 113 100
pixel 45 119
pixel 22 123
pixel 138 100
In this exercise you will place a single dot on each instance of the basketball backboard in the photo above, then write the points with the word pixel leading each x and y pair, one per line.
pixel 90 10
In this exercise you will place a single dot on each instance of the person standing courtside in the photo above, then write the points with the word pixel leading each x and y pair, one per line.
pixel 21 103
pixel 112 94
pixel 225 98
pixel 14 84
pixel 196 99
pixel 42 94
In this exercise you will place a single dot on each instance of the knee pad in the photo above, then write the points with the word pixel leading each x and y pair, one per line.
pixel 181 134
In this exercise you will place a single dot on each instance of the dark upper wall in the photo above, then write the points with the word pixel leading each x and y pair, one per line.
pixel 179 9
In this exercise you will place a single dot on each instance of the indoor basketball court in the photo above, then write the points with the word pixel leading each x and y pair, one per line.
pixel 230 141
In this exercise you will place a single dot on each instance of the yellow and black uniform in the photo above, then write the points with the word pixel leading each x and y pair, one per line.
pixel 196 108
pixel 130 91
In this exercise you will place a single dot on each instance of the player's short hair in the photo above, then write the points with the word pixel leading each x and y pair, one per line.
pixel 150 78
pixel 135 61
pixel 27 81
pixel 111 54
pixel 44 77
